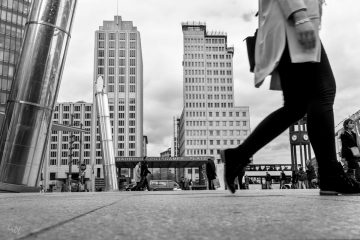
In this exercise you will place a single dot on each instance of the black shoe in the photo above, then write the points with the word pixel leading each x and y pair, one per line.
pixel 339 183
pixel 233 165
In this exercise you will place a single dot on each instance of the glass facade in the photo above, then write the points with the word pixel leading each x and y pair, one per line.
pixel 13 15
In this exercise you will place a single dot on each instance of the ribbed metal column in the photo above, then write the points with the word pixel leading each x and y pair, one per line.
pixel 34 92
pixel 108 155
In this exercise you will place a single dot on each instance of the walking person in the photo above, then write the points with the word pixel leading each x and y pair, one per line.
pixel 190 184
pixel 268 180
pixel 282 179
pixel 137 177
pixel 211 173
pixel 349 141
pixel 144 172
pixel 302 178
pixel 288 48
pixel 295 179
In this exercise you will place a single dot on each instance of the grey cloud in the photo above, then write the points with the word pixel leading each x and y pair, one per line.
pixel 249 16
pixel 159 23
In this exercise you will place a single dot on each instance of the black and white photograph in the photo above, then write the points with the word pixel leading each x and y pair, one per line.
pixel 192 119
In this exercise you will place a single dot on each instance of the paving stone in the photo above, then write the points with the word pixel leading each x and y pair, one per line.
pixel 248 214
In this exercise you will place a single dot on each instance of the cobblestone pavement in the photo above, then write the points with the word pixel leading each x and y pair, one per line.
pixel 248 214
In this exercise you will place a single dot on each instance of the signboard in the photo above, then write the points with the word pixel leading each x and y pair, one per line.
pixel 190 158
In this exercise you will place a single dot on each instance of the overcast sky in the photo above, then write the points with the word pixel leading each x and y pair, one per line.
pixel 159 24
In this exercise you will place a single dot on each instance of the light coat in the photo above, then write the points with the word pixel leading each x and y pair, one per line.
pixel 275 29
pixel 137 171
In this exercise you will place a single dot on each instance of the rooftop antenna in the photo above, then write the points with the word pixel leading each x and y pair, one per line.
pixel 117 12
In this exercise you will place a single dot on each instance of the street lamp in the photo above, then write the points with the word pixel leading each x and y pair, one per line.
pixel 72 140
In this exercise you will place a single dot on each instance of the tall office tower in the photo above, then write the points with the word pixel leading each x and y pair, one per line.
pixel 56 165
pixel 13 15
pixel 118 59
pixel 209 121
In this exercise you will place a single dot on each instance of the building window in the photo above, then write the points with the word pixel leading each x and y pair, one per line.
pixel 111 36
pixel 122 36
pixel 101 36
pixel 132 36
pixel 52 176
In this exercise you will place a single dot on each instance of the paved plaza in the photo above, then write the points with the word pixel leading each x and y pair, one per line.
pixel 248 214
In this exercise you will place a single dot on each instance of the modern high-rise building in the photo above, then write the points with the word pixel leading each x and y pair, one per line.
pixel 13 15
pixel 118 59
pixel 209 121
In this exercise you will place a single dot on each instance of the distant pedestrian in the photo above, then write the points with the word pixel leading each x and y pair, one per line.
pixel 295 179
pixel 190 184
pixel 349 143
pixel 268 180
pixel 137 177
pixel 240 178
pixel 247 181
pixel 282 179
pixel 182 183
pixel 211 173
pixel 144 172
pixel 302 178
pixel 311 176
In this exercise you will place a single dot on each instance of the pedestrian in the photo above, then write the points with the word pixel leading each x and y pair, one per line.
pixel 349 141
pixel 282 179
pixel 143 173
pixel 268 180
pixel 240 178
pixel 182 183
pixel 211 173
pixel 137 177
pixel 190 184
pixel 295 179
pixel 247 181
pixel 289 49
pixel 311 175
pixel 302 178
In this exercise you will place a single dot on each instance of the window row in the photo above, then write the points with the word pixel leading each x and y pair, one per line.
pixel 212 142
pixel 121 88
pixel 208 72
pixel 209 105
pixel 214 114
pixel 218 133
pixel 112 36
pixel 121 53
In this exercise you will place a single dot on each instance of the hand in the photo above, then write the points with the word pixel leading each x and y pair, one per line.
pixel 306 35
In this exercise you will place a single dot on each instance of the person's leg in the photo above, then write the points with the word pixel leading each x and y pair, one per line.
pixel 321 129
pixel 320 115
pixel 294 108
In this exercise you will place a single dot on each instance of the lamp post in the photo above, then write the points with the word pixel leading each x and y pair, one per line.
pixel 82 165
pixel 72 140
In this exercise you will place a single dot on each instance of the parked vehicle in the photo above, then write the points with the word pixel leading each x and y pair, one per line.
pixel 129 186
pixel 164 185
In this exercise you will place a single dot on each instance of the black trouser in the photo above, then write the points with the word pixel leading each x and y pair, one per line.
pixel 145 183
pixel 211 184
pixel 308 88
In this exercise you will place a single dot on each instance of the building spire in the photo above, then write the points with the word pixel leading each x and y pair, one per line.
pixel 117 12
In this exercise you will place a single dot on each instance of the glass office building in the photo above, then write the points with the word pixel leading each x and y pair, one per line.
pixel 12 22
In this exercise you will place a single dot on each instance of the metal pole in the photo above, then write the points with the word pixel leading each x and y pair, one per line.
pixel 29 110
pixel 81 172
pixel 71 153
